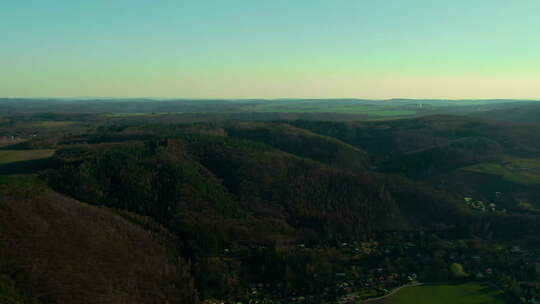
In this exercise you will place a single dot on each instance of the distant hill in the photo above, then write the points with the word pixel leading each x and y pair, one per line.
pixel 303 143
pixel 344 107
pixel 522 114
pixel 208 177
pixel 435 149
pixel 384 139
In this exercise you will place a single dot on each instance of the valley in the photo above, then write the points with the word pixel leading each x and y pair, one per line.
pixel 269 210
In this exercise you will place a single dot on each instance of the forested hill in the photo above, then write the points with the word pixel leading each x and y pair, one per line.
pixel 517 114
pixel 213 189
pixel 257 193
pixel 221 205
pixel 58 250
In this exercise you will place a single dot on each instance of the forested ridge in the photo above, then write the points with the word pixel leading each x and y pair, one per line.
pixel 221 206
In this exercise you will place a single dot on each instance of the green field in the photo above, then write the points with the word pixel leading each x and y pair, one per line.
pixel 360 109
pixel 351 110
pixel 11 156
pixel 471 293
pixel 139 114
pixel 53 124
pixel 521 171
pixel 371 110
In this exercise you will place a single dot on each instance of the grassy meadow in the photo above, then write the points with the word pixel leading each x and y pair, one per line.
pixel 11 156
pixel 470 293
pixel 521 171
pixel 54 124
pixel 24 161
pixel 383 110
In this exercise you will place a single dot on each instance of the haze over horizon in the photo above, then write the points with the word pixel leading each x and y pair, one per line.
pixel 279 49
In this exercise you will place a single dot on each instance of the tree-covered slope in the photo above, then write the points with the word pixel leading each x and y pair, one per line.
pixel 303 143
pixel 62 251
pixel 193 179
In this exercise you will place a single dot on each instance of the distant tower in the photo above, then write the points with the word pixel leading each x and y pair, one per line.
pixel 420 105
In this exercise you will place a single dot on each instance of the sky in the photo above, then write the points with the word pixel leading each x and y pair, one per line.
pixel 373 49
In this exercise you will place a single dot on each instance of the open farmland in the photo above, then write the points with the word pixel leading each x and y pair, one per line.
pixel 54 124
pixel 350 108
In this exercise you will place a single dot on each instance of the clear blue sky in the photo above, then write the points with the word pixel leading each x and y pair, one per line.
pixel 270 49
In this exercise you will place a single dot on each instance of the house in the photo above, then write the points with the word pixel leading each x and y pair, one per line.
pixel 515 249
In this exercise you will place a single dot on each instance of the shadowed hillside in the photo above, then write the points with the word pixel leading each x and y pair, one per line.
pixel 529 114
pixel 303 143
pixel 64 251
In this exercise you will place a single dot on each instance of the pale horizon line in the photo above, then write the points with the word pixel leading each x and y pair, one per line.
pixel 271 99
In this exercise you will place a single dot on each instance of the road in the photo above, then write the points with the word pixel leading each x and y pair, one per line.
pixel 392 292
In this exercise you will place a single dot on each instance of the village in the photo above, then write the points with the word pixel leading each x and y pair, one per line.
pixel 407 259
pixel 482 206
pixel 7 140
